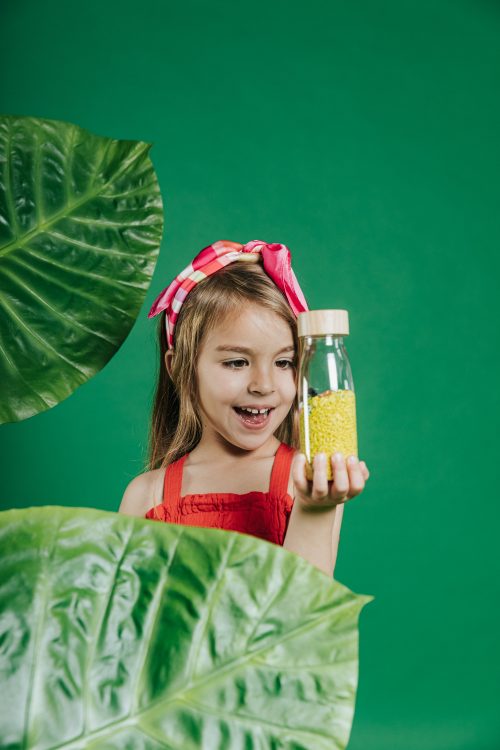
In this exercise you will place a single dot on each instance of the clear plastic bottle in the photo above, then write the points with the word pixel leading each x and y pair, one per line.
pixel 327 403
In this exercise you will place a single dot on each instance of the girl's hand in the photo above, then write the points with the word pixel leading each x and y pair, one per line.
pixel 322 493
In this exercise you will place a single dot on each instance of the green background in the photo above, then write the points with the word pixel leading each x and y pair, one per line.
pixel 364 136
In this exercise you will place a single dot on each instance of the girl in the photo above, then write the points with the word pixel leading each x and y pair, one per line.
pixel 224 438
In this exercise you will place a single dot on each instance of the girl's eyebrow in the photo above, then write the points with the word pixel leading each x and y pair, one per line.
pixel 245 350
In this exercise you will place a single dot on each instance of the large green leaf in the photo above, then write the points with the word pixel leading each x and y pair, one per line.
pixel 118 632
pixel 81 221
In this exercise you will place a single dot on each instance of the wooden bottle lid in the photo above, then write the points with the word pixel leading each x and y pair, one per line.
pixel 323 323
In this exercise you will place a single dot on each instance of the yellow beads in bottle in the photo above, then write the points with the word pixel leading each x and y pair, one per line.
pixel 330 426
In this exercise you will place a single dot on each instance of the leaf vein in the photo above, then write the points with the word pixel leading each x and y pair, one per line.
pixel 73 290
pixel 196 644
pixel 153 619
pixel 68 319
pixel 40 622
pixel 43 343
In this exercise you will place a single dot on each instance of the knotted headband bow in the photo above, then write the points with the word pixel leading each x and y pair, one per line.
pixel 277 264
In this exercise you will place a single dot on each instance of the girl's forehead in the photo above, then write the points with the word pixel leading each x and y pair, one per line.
pixel 253 319
pixel 259 324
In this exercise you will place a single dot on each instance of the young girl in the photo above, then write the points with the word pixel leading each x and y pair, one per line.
pixel 224 440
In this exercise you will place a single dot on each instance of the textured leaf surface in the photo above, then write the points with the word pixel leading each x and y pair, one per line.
pixel 81 221
pixel 118 632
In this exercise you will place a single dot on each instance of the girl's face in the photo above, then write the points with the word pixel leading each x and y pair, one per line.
pixel 261 376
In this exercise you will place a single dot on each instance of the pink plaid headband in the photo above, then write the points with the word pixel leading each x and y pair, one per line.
pixel 277 264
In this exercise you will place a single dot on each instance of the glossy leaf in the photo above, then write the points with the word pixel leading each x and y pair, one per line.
pixel 119 632
pixel 81 221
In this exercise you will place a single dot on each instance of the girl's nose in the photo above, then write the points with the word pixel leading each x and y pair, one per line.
pixel 261 383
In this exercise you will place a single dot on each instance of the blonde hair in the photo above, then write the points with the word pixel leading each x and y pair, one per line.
pixel 175 423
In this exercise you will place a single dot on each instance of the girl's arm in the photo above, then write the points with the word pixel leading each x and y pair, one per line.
pixel 314 535
pixel 336 534
pixel 314 524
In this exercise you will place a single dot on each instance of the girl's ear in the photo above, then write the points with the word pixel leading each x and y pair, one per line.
pixel 168 361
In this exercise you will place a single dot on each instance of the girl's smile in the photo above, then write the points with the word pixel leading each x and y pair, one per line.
pixel 252 421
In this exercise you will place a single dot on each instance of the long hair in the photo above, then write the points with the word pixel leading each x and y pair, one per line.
pixel 175 423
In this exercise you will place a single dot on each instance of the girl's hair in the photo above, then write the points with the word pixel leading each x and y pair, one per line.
pixel 175 425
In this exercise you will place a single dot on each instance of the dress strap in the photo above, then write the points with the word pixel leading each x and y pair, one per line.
pixel 172 483
pixel 280 474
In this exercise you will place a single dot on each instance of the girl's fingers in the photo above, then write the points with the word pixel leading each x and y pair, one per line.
pixel 320 481
pixel 356 478
pixel 340 477
pixel 364 469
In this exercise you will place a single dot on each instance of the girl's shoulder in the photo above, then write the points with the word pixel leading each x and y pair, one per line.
pixel 144 491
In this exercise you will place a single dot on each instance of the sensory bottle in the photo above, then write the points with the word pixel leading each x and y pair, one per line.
pixel 326 400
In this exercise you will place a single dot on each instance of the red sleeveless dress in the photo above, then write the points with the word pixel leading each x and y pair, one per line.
pixel 261 514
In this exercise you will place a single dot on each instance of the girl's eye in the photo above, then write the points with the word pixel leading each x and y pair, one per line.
pixel 233 362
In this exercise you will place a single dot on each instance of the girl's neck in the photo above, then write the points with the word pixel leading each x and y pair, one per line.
pixel 220 452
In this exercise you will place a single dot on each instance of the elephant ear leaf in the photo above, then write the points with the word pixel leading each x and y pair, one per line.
pixel 81 221
pixel 119 632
